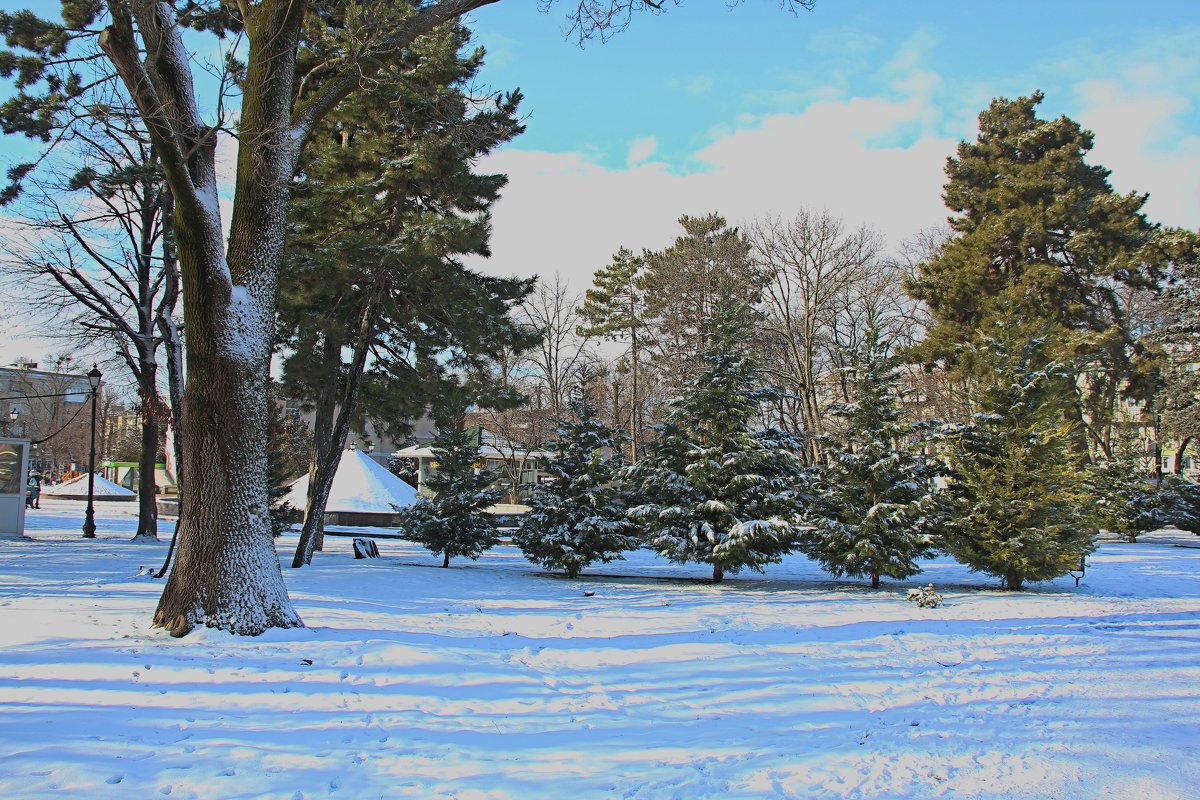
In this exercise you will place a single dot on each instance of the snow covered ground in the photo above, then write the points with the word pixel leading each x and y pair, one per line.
pixel 495 680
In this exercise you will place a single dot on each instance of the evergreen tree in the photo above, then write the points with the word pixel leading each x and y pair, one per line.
pixel 454 522
pixel 377 305
pixel 1126 501
pixel 1130 501
pixel 712 489
pixel 580 518
pixel 1041 232
pixel 876 503
pixel 685 285
pixel 1178 395
pixel 1019 501
pixel 615 308
pixel 288 442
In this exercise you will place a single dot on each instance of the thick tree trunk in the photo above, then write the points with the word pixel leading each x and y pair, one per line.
pixel 446 561
pixel 226 573
pixel 718 573
pixel 875 582
pixel 1177 467
pixel 1013 581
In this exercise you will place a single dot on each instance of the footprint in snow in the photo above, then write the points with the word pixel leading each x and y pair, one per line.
pixel 116 778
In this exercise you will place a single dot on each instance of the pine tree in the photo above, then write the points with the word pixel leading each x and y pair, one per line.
pixel 578 519
pixel 376 305
pixel 454 522
pixel 288 442
pixel 713 489
pixel 615 308
pixel 1041 232
pixel 876 503
pixel 1130 501
pixel 685 285
pixel 1019 502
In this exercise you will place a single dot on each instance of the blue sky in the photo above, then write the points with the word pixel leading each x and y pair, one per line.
pixel 853 107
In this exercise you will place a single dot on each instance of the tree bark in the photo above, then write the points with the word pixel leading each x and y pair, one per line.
pixel 147 485
pixel 718 573
pixel 322 473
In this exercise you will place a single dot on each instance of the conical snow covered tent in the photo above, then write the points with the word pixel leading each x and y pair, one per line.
pixel 363 493
pixel 77 489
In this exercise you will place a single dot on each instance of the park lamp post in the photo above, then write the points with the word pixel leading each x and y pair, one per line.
pixel 12 421
pixel 89 518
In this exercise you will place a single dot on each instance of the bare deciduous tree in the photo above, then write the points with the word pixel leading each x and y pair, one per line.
pixel 564 354
pixel 98 260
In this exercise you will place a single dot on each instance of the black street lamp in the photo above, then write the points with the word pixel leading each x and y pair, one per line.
pixel 89 518
pixel 12 421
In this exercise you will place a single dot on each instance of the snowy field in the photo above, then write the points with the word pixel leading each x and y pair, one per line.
pixel 496 680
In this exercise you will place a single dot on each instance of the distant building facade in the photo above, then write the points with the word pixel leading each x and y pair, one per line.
pixel 51 409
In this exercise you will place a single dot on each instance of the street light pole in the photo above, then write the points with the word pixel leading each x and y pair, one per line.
pixel 89 518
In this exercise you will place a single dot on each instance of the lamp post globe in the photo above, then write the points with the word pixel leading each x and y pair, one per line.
pixel 89 518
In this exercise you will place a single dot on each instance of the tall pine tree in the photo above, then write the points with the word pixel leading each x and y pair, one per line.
pixel 377 305
pixel 615 308
pixel 453 522
pixel 876 504
pixel 713 489
pixel 579 519
pixel 1042 233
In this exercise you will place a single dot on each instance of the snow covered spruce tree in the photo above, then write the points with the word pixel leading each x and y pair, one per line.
pixel 226 574
pixel 875 502
pixel 712 489
pixel 454 522
pixel 1020 509
pixel 1126 501
pixel 1130 500
pixel 580 518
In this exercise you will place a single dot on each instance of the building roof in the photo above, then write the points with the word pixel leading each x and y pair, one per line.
pixel 77 487
pixel 360 485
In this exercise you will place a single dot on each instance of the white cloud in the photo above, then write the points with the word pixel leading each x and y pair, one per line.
pixel 564 213
pixel 870 160
pixel 640 150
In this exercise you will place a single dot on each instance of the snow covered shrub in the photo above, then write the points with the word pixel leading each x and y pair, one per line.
pixel 1179 504
pixel 925 597
pixel 1126 501
pixel 579 518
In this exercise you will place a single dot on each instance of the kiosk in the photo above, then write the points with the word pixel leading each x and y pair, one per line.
pixel 14 469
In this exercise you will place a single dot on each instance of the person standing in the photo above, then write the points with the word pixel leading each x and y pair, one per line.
pixel 34 494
